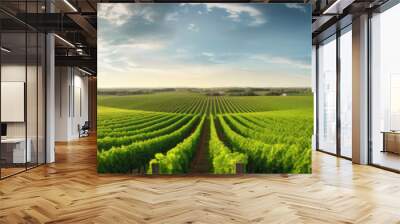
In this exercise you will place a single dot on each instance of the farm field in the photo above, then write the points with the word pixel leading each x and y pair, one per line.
pixel 183 132
pixel 188 102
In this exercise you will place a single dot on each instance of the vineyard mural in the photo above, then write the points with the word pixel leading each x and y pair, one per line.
pixel 204 88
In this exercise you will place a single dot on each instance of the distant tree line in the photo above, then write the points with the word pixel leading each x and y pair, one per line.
pixel 260 92
pixel 233 91
pixel 124 92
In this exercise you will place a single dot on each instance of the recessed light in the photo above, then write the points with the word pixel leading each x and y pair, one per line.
pixel 64 40
pixel 5 50
pixel 84 71
pixel 70 5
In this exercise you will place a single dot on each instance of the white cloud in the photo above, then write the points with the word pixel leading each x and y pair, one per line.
pixel 172 17
pixel 125 56
pixel 297 6
pixel 133 45
pixel 181 50
pixel 281 60
pixel 235 10
pixel 117 14
pixel 147 14
pixel 132 65
pixel 120 13
pixel 193 27
pixel 208 54
pixel 211 57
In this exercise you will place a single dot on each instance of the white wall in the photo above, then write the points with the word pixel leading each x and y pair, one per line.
pixel 62 82
pixel 13 101
pixel 12 73
pixel 71 102
pixel 16 73
pixel 80 110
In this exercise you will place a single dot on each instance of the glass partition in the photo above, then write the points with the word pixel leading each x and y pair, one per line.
pixel 41 97
pixel 385 89
pixel 346 93
pixel 327 95
pixel 23 91
pixel 31 98
pixel 14 153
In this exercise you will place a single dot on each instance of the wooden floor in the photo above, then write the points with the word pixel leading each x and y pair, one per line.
pixel 5 172
pixel 70 191
pixel 387 159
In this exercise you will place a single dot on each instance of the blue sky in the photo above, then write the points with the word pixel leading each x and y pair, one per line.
pixel 204 45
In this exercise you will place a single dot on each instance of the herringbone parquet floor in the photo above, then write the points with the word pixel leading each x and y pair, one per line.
pixel 70 191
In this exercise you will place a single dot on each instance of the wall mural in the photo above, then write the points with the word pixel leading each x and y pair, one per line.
pixel 215 88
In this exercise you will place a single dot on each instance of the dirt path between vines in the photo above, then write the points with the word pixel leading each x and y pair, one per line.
pixel 220 133
pixel 200 163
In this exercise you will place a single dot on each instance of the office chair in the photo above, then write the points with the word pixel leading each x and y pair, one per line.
pixel 84 130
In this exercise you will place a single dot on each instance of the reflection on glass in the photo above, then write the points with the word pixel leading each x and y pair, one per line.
pixel 386 89
pixel 32 73
pixel 14 151
pixel 22 93
pixel 327 96
pixel 346 94
pixel 394 102
pixel 41 99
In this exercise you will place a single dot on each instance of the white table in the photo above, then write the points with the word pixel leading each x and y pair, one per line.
pixel 19 153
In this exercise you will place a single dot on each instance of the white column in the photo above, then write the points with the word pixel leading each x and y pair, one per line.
pixel 360 90
pixel 50 100
pixel 314 90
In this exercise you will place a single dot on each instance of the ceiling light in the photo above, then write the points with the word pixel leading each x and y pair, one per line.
pixel 5 50
pixel 79 51
pixel 337 7
pixel 84 71
pixel 64 40
pixel 70 5
pixel 331 7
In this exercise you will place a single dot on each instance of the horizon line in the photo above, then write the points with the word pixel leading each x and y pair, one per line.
pixel 287 87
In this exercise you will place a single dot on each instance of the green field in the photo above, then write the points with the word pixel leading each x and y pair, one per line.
pixel 190 132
